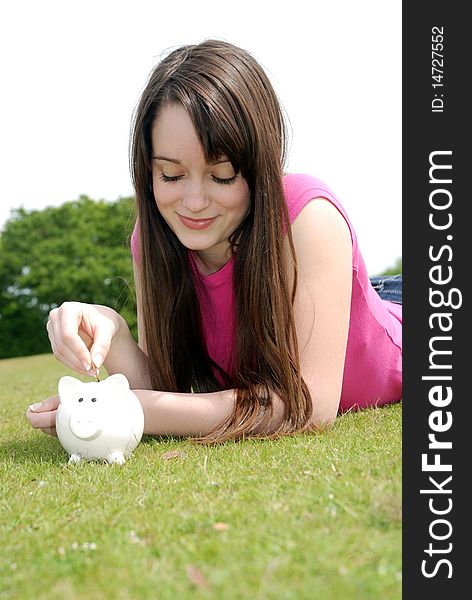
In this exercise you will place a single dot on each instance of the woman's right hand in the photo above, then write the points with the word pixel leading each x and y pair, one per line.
pixel 81 334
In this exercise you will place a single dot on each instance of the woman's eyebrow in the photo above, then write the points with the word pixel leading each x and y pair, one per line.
pixel 178 162
pixel 166 158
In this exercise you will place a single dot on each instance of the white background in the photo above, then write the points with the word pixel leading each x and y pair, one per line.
pixel 71 74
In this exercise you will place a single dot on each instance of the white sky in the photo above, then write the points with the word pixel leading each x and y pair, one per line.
pixel 72 73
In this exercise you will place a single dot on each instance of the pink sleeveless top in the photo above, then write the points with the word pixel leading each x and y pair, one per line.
pixel 373 364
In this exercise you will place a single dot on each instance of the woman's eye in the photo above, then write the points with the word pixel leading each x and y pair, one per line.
pixel 220 180
pixel 225 181
pixel 170 179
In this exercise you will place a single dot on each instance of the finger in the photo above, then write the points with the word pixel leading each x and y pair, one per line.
pixel 102 338
pixel 46 405
pixel 60 350
pixel 86 338
pixel 67 345
pixel 60 345
pixel 50 431
pixel 99 350
pixel 67 358
pixel 42 420
pixel 97 328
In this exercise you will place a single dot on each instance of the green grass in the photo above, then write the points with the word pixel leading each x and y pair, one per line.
pixel 312 516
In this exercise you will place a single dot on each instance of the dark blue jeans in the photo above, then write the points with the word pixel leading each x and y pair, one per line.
pixel 388 287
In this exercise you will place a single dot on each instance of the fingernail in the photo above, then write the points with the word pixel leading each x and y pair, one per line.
pixel 86 365
pixel 35 406
pixel 97 360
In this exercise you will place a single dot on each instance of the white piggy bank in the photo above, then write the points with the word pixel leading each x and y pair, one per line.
pixel 98 419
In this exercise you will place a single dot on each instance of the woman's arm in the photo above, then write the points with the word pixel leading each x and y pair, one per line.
pixel 167 413
pixel 180 414
pixel 126 356
pixel 323 247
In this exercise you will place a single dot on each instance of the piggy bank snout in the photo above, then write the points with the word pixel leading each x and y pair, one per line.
pixel 85 424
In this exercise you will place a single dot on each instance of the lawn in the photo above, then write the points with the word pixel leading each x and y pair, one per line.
pixel 306 517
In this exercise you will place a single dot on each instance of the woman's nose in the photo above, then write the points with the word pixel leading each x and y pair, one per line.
pixel 195 199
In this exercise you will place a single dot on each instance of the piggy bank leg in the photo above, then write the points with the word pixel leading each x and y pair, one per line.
pixel 75 458
pixel 116 457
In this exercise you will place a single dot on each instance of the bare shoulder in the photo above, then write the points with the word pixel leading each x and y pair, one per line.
pixel 321 234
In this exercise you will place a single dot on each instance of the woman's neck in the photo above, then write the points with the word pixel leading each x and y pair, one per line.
pixel 211 261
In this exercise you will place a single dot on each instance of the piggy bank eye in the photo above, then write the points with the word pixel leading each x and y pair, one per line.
pixel 94 399
pixel 81 399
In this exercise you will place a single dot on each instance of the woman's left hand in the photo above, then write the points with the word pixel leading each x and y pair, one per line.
pixel 42 415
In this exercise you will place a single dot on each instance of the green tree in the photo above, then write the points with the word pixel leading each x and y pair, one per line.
pixel 396 269
pixel 77 251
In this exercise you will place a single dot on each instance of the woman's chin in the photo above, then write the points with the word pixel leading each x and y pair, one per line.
pixel 195 245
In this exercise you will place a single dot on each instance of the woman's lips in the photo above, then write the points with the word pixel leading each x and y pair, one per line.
pixel 196 223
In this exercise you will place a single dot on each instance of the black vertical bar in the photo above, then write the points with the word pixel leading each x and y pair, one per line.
pixel 437 229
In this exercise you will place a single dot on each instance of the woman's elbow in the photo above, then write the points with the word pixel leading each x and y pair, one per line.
pixel 324 414
pixel 322 421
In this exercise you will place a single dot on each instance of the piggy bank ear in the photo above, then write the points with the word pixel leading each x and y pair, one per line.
pixel 69 389
pixel 117 384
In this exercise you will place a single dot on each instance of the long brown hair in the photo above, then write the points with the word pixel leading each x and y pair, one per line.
pixel 236 113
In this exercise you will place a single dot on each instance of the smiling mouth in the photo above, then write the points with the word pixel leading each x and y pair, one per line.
pixel 196 223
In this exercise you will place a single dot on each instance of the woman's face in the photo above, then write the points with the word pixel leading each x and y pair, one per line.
pixel 202 203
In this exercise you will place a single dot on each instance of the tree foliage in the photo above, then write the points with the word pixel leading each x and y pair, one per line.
pixel 396 269
pixel 77 251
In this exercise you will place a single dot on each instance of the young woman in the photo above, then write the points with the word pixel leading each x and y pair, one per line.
pixel 255 312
